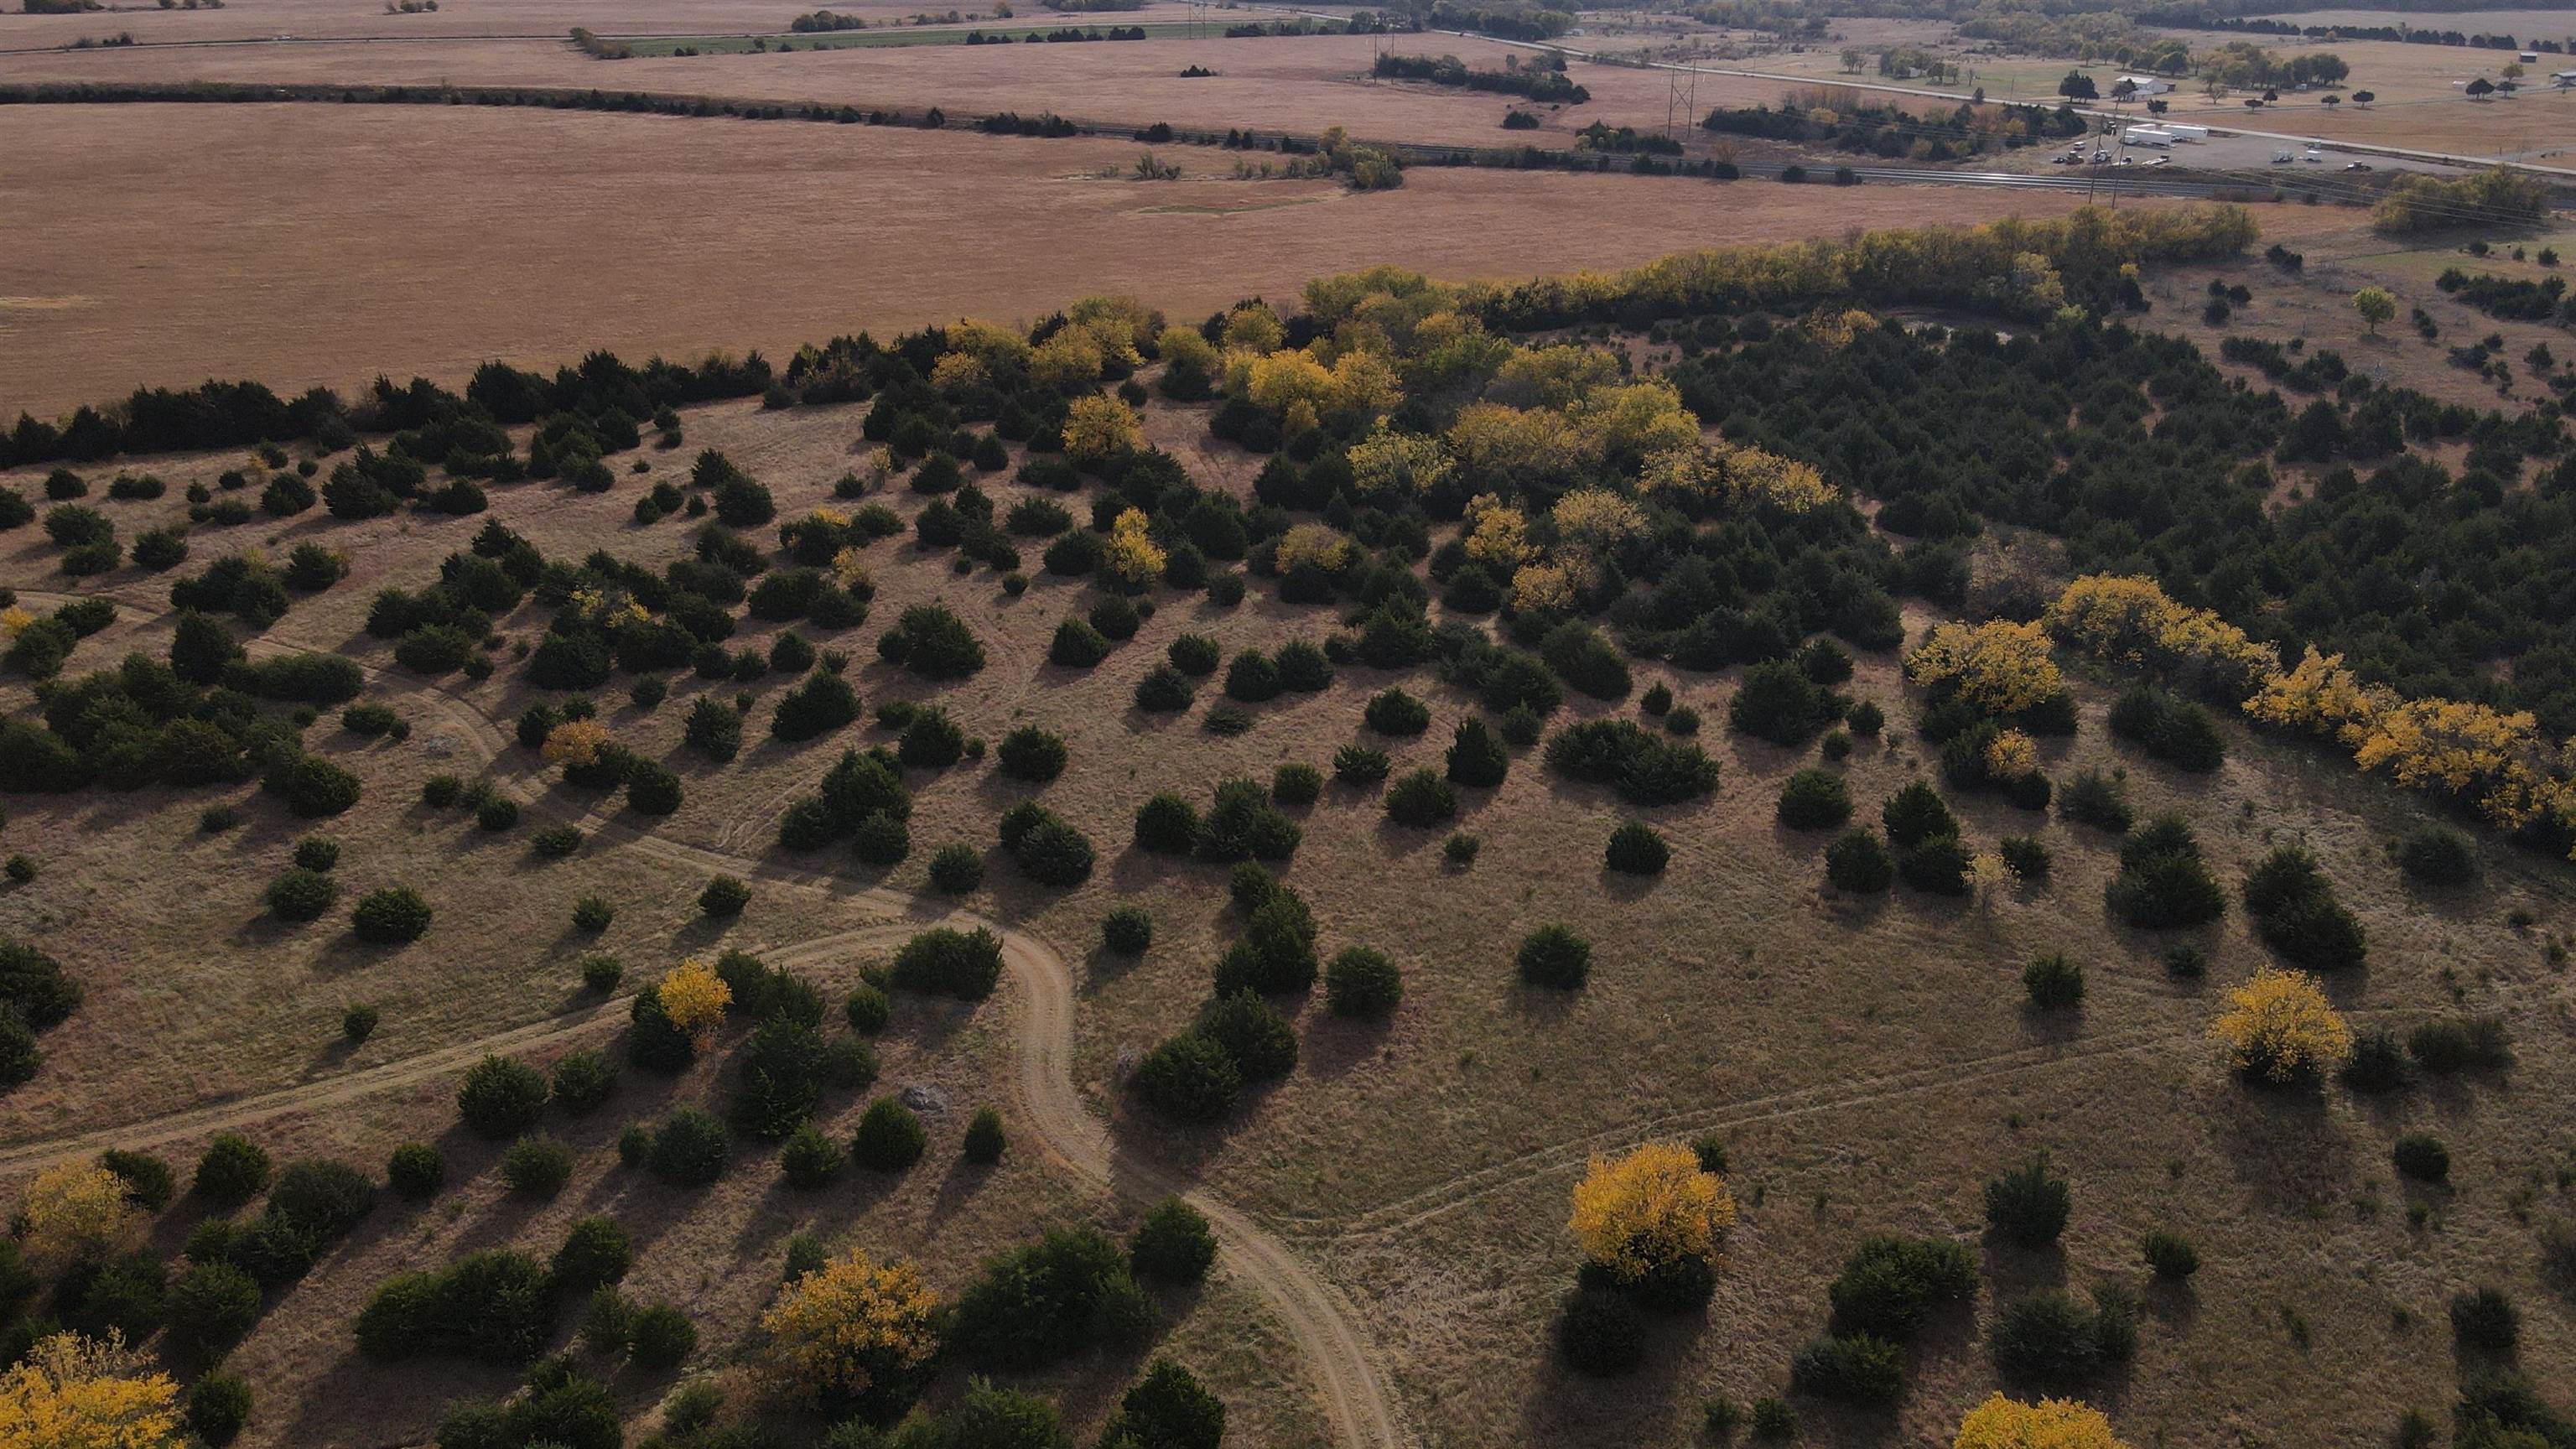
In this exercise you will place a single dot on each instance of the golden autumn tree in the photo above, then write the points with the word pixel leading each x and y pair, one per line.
pixel 1313 545
pixel 1999 666
pixel 1252 327
pixel 1070 359
pixel 72 1392
pixel 694 997
pixel 1130 556
pixel 1389 464
pixel 1746 474
pixel 957 371
pixel 1539 586
pixel 1099 426
pixel 77 1213
pixel 849 1328
pixel 2280 1027
pixel 2131 619
pixel 575 744
pixel 1649 1210
pixel 2012 755
pixel 1497 534
pixel 2002 1423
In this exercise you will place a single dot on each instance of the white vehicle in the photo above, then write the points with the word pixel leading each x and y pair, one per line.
pixel 2155 136
pixel 2280 158
pixel 2161 161
pixel 2188 133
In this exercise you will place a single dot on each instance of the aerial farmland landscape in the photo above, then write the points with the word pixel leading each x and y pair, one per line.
pixel 1166 724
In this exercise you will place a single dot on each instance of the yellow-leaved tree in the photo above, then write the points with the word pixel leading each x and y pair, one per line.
pixel 1131 557
pixel 575 744
pixel 695 998
pixel 1999 666
pixel 1649 1210
pixel 77 1213
pixel 2130 618
pixel 1497 534
pixel 1071 358
pixel 1313 545
pixel 2280 1027
pixel 1541 586
pixel 72 1392
pixel 848 1328
pixel 2002 1423
pixel 957 371
pixel 2012 755
pixel 1099 426
pixel 1389 464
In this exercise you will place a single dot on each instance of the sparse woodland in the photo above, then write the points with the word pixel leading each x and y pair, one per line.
pixel 1731 540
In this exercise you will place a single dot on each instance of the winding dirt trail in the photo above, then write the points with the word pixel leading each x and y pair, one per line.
pixel 1337 1352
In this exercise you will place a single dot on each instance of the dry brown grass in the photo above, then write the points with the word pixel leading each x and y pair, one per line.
pixel 1871 1064
pixel 697 234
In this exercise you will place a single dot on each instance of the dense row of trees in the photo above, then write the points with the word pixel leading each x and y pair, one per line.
pixel 1537 83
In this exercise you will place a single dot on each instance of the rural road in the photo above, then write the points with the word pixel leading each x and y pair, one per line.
pixel 1336 1351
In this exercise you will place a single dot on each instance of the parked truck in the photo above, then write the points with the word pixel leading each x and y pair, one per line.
pixel 2155 136
pixel 2189 133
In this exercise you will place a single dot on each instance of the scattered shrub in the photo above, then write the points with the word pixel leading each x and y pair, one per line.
pixel 1554 956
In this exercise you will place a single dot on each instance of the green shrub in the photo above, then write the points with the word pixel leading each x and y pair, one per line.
pixel 890 1137
pixel 1044 1302
pixel 810 1160
pixel 149 1184
pixel 1194 654
pixel 592 915
pixel 2050 1341
pixel 496 813
pixel 2028 1205
pixel 1814 799
pixel 1850 1369
pixel 2170 1256
pixel 1174 1244
pixel 1857 862
pixel 1363 983
pixel 724 897
pixel 956 868
pixel 2378 1062
pixel 302 895
pixel 231 1171
pixel 660 1337
pixel 1164 690
pixel 1635 849
pixel 1127 930
pixel 2053 982
pixel 1360 765
pixel 2484 1321
pixel 219 1407
pixel 943 961
pixel 416 1171
pixel 2025 857
pixel 501 1098
pixel 689 1149
pixel 1477 756
pixel 1421 800
pixel 1554 956
pixel 537 1165
pixel 2163 882
pixel 583 1082
pixel 1030 753
pixel 984 1142
pixel 1776 702
pixel 1189 1078
pixel 209 1308
pixel 2477 1043
pixel 2438 857
pixel 1890 1285
pixel 2421 1155
pixel 1394 712
pixel 390 916
pixel 1252 1032
pixel 2099 800
pixel 1296 784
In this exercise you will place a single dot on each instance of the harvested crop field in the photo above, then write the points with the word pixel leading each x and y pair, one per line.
pixel 537 235
pixel 262 20
pixel 1300 84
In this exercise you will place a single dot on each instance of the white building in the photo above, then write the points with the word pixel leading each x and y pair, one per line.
pixel 2143 85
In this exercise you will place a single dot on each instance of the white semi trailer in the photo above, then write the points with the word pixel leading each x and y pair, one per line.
pixel 2188 133
pixel 2155 136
